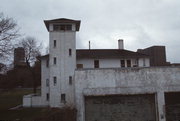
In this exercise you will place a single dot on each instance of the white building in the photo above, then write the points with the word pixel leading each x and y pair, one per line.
pixel 103 84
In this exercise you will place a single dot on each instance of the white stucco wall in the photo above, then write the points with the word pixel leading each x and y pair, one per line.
pixel 126 81
pixel 112 63
pixel 64 67
pixel 44 76
pixel 32 100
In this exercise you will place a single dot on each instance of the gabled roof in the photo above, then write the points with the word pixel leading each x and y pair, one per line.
pixel 62 20
pixel 105 53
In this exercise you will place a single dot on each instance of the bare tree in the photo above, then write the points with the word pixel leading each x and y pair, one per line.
pixel 32 52
pixel 8 32
pixel 3 68
pixel 32 49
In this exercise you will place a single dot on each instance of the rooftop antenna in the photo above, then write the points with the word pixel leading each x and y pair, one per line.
pixel 89 45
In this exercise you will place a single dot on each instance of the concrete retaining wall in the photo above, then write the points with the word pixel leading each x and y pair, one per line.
pixel 94 82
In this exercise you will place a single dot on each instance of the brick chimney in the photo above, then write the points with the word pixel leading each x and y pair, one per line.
pixel 120 44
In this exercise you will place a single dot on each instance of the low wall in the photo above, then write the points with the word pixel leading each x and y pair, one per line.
pixel 94 82
pixel 32 100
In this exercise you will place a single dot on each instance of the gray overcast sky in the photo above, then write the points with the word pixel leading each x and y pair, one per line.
pixel 141 23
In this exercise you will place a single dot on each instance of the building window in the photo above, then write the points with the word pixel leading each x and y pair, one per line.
pixel 96 63
pixel 144 62
pixel 54 43
pixel 47 82
pixel 54 61
pixel 79 65
pixel 47 63
pixel 122 63
pixel 128 63
pixel 63 98
pixel 70 52
pixel 47 96
pixel 55 80
pixel 70 80
pixel 135 63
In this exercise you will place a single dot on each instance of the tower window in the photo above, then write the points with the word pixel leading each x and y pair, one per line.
pixel 47 82
pixel 54 60
pixel 128 63
pixel 47 63
pixel 62 27
pixel 56 27
pixel 63 98
pixel 55 80
pixel 68 27
pixel 70 80
pixel 96 63
pixel 70 52
pixel 54 43
pixel 47 96
pixel 122 63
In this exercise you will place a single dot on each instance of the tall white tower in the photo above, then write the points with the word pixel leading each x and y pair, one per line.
pixel 62 60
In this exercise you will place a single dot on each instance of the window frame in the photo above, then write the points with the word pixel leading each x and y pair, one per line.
pixel 96 63
pixel 55 80
pixel 63 98
pixel 62 27
pixel 123 65
pixel 144 62
pixel 47 96
pixel 47 82
pixel 128 63
pixel 70 80
pixel 79 66
pixel 54 43
pixel 70 52
pixel 47 63
pixel 54 60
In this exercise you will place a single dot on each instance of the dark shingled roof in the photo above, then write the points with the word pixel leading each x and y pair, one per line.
pixel 62 20
pixel 105 53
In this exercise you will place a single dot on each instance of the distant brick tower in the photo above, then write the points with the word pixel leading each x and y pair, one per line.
pixel 19 57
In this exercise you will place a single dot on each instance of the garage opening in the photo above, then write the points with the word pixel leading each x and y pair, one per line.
pixel 120 108
pixel 172 102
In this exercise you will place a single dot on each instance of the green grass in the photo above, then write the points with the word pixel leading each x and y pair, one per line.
pixel 13 98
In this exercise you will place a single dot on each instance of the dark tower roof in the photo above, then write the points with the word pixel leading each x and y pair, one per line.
pixel 62 20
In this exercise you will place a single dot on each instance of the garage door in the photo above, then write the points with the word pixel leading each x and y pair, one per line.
pixel 120 108
pixel 172 101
